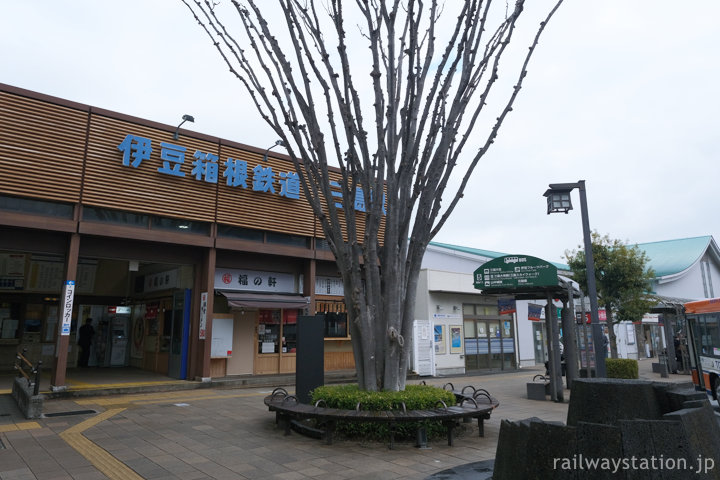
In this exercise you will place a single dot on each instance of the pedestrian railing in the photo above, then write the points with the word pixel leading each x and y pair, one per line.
pixel 27 370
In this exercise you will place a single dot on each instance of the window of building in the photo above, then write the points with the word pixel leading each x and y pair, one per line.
pixel 116 217
pixel 178 225
pixel 335 312
pixel 38 207
pixel 277 331
pixel 10 315
pixel 241 233
pixel 268 331
pixel 322 244
pixel 283 239
pixel 289 331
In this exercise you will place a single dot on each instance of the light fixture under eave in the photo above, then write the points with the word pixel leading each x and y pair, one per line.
pixel 185 118
pixel 278 143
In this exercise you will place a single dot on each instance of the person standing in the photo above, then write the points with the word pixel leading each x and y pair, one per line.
pixel 85 336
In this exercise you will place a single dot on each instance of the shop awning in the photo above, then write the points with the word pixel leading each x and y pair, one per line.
pixel 264 300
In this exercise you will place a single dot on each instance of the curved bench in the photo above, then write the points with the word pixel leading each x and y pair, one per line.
pixel 287 408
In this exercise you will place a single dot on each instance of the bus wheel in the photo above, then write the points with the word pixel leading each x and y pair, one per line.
pixel 717 388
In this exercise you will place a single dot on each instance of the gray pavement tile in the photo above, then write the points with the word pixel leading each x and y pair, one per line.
pixel 17 474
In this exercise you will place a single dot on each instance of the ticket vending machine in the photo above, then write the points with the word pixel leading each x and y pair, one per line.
pixel 119 339
pixel 112 337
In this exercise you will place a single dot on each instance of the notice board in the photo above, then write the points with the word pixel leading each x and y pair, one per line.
pixel 222 337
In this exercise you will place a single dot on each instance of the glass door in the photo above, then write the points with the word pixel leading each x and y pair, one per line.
pixel 471 345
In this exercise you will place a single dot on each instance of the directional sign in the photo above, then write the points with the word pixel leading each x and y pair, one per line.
pixel 514 271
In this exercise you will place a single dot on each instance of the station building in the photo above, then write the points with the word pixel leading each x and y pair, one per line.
pixel 193 256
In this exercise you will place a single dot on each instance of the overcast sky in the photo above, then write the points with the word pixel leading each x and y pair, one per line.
pixel 622 94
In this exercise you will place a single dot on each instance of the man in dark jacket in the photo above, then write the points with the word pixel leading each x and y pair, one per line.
pixel 85 336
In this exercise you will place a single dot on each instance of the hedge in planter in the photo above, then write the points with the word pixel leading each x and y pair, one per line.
pixel 621 368
pixel 415 397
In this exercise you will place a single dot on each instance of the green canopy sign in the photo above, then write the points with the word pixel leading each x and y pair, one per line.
pixel 515 271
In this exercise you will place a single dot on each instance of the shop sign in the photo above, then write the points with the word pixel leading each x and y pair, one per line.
pixel 119 310
pixel 513 271
pixel 602 316
pixel 254 281
pixel 329 286
pixel 207 167
pixel 160 281
pixel 67 305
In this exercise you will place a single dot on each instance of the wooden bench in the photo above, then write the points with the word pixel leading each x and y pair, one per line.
pixel 288 408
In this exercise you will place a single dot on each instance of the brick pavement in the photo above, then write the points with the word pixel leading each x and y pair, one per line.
pixel 227 433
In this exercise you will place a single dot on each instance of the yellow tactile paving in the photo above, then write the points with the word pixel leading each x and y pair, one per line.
pixel 78 385
pixel 165 397
pixel 100 458
pixel 19 426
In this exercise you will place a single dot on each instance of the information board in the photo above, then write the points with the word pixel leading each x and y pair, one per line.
pixel 513 271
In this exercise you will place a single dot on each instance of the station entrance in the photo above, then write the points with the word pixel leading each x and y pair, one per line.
pixel 139 311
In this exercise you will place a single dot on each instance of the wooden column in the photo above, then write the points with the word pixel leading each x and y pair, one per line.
pixel 199 354
pixel 57 380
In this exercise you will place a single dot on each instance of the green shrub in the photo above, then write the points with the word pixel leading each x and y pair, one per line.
pixel 415 397
pixel 621 368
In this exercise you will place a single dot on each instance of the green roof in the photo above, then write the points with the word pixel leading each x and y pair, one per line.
pixel 485 253
pixel 473 251
pixel 671 257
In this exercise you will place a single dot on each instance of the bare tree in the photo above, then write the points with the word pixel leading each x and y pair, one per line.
pixel 423 98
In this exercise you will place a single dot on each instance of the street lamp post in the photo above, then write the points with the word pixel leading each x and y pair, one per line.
pixel 558 200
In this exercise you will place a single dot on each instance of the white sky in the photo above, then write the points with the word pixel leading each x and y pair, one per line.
pixel 622 93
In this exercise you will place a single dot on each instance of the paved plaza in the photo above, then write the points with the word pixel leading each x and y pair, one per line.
pixel 226 432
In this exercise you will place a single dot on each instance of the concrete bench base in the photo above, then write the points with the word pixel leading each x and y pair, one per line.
pixel 537 390
pixel 660 368
pixel 30 405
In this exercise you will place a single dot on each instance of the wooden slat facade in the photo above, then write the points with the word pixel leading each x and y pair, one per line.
pixel 110 184
pixel 69 153
pixel 41 149
pixel 243 207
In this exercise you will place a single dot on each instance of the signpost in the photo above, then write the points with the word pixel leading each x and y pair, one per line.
pixel 512 271
pixel 523 274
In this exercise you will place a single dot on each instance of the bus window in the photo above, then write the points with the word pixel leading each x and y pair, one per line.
pixel 703 321
pixel 711 335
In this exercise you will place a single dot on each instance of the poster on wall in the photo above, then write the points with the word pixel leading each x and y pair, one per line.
pixel 138 332
pixel 423 351
pixel 456 341
pixel 203 315
pixel 439 339
pixel 534 312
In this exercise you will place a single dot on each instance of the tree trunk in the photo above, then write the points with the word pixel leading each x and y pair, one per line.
pixel 427 88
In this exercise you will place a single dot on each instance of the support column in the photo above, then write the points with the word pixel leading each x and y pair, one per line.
pixel 203 304
pixel 57 379
pixel 556 385
pixel 570 342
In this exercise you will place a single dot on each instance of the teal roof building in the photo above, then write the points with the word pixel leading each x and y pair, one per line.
pixel 686 267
